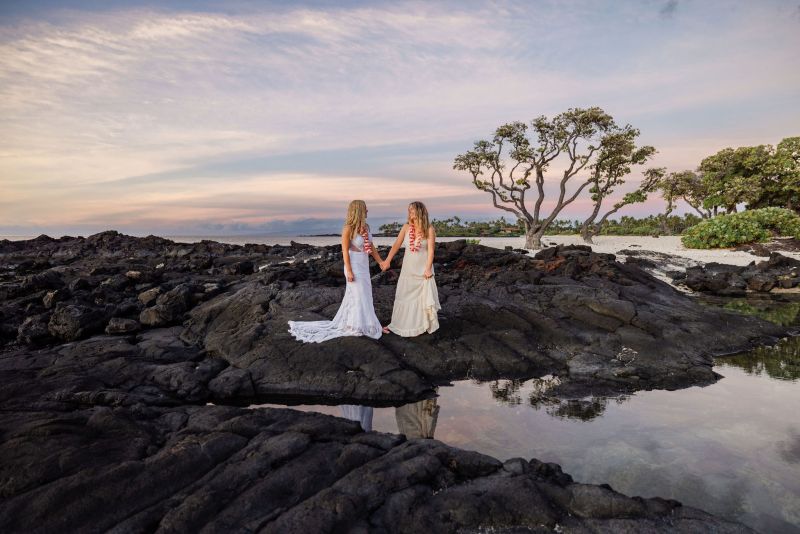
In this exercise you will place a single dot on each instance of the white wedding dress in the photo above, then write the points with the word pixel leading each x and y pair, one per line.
pixel 356 315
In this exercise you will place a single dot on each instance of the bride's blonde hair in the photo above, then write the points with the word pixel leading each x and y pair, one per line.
pixel 356 218
pixel 419 218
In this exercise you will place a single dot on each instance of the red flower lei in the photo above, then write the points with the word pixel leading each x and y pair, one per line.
pixel 367 242
pixel 413 245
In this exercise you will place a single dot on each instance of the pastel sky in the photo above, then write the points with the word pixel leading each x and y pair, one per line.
pixel 214 118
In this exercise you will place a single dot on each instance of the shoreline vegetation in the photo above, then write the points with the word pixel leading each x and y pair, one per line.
pixel 748 227
pixel 455 226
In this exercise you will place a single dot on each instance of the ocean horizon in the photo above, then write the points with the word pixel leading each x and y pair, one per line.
pixel 316 240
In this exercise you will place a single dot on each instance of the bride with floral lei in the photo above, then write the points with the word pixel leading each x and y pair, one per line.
pixel 356 315
pixel 416 300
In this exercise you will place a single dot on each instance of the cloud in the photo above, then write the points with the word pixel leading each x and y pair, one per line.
pixel 668 9
pixel 203 114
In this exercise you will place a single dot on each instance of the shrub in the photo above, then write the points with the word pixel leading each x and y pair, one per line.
pixel 739 228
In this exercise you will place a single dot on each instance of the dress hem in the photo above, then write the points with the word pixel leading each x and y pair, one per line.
pixel 337 333
pixel 415 332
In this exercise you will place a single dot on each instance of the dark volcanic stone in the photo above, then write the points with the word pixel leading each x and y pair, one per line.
pixel 78 284
pixel 119 325
pixel 52 297
pixel 762 283
pixel 118 282
pixel 34 329
pixel 777 244
pixel 152 368
pixel 148 297
pixel 70 322
pixel 239 267
pixel 220 469
pixel 567 312
pixel 169 307
pixel 47 280
pixel 732 280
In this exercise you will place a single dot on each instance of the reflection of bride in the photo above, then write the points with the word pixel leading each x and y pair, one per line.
pixel 418 419
pixel 362 414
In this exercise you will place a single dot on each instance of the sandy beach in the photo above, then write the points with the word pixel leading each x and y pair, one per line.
pixel 667 245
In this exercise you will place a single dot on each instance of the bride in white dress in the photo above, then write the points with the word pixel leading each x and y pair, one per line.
pixel 356 315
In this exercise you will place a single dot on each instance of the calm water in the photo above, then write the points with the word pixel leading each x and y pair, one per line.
pixel 731 448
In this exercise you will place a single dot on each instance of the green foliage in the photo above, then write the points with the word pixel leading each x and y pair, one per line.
pixel 625 225
pixel 392 228
pixel 686 186
pixel 739 228
pixel 650 225
pixel 455 227
pixel 758 176
pixel 473 241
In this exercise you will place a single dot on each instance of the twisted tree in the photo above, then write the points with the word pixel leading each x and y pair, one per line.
pixel 512 163
pixel 686 186
pixel 694 192
pixel 617 155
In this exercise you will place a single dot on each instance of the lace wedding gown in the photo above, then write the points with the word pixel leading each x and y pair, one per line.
pixel 356 315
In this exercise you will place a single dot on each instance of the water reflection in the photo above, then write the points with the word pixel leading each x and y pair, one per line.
pixel 418 419
pixel 781 309
pixel 505 391
pixel 781 362
pixel 361 414
pixel 790 448
pixel 731 448
pixel 414 420
pixel 581 409
pixel 509 392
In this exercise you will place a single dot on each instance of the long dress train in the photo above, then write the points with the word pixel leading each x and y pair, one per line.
pixel 356 315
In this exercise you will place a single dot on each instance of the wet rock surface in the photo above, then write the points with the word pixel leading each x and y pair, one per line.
pixel 112 345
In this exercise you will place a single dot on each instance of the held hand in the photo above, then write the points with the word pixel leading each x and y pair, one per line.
pixel 385 265
pixel 348 273
pixel 428 273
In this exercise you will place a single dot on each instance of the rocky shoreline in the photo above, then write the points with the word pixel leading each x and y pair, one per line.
pixel 115 343
pixel 226 469
pixel 777 273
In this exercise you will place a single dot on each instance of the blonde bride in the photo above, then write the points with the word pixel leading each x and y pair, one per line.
pixel 416 300
pixel 356 315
